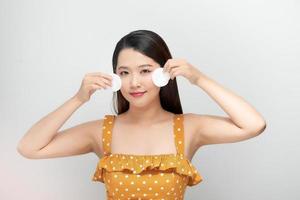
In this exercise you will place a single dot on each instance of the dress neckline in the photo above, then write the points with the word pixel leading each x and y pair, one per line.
pixel 177 154
pixel 143 155
pixel 146 156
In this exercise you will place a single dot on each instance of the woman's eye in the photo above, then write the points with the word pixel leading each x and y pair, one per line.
pixel 121 73
pixel 146 70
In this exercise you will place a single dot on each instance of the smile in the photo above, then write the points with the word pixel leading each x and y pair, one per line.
pixel 139 94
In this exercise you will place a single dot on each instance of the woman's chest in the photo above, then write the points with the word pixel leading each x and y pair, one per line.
pixel 151 140
pixel 138 139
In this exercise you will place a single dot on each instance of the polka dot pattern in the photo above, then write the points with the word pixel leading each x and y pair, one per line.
pixel 162 176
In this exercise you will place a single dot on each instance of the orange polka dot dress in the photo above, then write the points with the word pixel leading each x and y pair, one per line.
pixel 161 176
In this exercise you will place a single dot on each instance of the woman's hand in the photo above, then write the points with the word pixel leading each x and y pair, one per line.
pixel 181 67
pixel 92 82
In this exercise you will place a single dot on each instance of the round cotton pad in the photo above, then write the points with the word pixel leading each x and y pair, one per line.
pixel 116 82
pixel 160 78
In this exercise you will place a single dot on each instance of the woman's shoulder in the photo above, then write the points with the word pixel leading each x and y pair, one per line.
pixel 193 117
pixel 96 132
pixel 96 127
pixel 192 122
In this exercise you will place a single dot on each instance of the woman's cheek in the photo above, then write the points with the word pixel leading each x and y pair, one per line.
pixel 149 78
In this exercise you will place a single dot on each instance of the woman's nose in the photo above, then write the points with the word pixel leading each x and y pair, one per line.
pixel 135 80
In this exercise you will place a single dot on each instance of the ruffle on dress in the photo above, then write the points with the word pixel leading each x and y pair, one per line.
pixel 138 163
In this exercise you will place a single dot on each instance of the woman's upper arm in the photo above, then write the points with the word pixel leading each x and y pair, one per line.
pixel 211 129
pixel 79 139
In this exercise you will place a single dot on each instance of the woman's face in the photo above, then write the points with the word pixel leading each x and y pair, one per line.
pixel 135 71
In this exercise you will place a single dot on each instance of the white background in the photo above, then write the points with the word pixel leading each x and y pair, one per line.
pixel 250 47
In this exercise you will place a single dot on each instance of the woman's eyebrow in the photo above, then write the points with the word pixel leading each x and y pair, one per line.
pixel 144 65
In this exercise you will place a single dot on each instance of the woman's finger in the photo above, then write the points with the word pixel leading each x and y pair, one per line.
pixel 100 74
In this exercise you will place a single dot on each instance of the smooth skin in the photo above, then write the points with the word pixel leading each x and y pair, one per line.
pixel 44 140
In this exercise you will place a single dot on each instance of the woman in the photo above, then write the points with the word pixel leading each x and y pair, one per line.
pixel 145 150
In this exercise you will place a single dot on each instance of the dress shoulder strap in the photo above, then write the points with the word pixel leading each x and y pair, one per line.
pixel 179 133
pixel 107 133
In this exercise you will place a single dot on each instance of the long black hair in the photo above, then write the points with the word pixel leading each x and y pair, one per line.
pixel 152 45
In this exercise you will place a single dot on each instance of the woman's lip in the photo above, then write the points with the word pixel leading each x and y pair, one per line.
pixel 138 93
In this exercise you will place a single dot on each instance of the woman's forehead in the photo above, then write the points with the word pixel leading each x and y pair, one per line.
pixel 132 58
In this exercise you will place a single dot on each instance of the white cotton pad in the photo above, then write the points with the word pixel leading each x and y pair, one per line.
pixel 116 82
pixel 160 78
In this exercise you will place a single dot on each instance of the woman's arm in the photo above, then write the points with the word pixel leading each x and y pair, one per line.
pixel 243 122
pixel 43 140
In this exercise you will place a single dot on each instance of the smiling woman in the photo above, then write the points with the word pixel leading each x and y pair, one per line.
pixel 144 151
pixel 135 57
